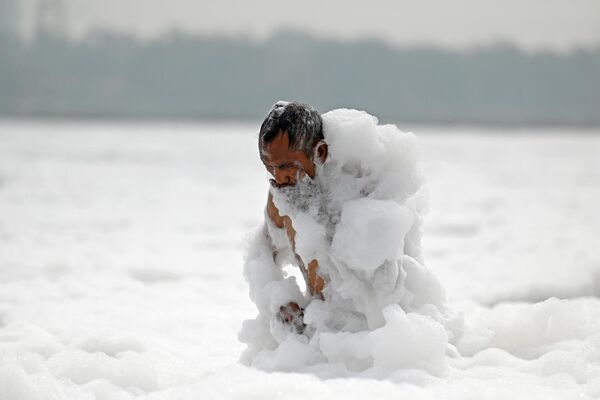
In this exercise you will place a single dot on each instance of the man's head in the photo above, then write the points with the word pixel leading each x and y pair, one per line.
pixel 291 141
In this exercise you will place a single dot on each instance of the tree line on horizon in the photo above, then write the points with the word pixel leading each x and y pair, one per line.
pixel 115 75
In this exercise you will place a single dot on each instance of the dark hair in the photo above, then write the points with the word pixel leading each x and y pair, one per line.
pixel 302 123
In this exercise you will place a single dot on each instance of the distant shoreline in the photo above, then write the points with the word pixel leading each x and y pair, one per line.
pixel 182 77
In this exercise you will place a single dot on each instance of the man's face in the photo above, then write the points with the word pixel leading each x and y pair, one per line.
pixel 286 165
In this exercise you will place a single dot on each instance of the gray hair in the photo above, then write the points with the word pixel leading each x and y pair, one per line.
pixel 302 123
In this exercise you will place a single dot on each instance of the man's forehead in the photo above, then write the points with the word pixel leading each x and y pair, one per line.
pixel 278 149
pixel 279 141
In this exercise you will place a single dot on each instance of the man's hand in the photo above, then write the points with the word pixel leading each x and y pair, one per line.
pixel 292 314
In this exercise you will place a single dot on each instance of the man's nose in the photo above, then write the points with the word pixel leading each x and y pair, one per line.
pixel 281 177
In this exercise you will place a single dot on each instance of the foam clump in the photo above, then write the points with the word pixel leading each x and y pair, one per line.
pixel 368 233
pixel 361 219
pixel 92 366
pixel 529 331
pixel 409 341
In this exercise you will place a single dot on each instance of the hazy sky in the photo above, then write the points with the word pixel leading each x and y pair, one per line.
pixel 530 23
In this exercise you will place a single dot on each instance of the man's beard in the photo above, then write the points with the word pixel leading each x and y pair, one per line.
pixel 311 196
pixel 304 196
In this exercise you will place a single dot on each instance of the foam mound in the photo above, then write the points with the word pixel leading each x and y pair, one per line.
pixel 361 217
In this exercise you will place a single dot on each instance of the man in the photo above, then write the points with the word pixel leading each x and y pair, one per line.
pixel 345 205
pixel 290 143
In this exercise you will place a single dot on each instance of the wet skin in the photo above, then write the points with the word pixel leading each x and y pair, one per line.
pixel 284 164
pixel 287 166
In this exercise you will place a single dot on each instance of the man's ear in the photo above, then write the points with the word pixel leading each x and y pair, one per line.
pixel 321 151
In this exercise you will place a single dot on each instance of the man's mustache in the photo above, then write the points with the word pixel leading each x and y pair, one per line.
pixel 280 186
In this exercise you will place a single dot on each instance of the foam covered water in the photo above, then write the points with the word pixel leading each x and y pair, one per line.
pixel 120 269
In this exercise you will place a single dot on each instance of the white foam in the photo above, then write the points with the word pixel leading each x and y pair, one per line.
pixel 83 205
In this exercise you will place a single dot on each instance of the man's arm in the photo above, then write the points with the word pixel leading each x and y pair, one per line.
pixel 273 212
pixel 314 282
